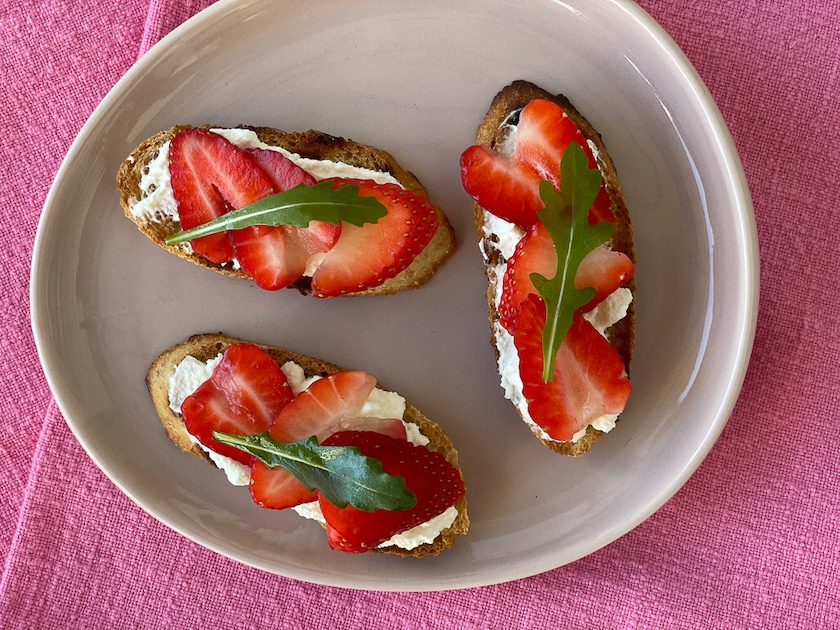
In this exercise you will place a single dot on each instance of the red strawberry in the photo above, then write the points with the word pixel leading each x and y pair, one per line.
pixel 605 271
pixel 322 407
pixel 436 483
pixel 275 257
pixel 243 395
pixel 508 188
pixel 602 269
pixel 284 173
pixel 534 253
pixel 366 256
pixel 589 376
pixel 277 488
pixel 542 135
pixel 328 405
pixel 210 176
pixel 601 210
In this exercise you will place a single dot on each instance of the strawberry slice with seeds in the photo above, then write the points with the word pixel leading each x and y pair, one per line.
pixel 210 176
pixel 602 269
pixel 508 188
pixel 534 253
pixel 244 394
pixel 589 376
pixel 367 256
pixel 436 483
pixel 328 405
pixel 275 257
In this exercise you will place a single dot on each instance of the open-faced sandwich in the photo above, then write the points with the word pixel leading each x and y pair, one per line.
pixel 307 435
pixel 558 248
pixel 307 210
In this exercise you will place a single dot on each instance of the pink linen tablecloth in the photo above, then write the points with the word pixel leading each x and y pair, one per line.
pixel 753 539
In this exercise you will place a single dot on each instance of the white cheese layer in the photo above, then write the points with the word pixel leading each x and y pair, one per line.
pixel 191 373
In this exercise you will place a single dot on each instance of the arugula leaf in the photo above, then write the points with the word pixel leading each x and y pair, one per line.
pixel 296 206
pixel 340 473
pixel 565 216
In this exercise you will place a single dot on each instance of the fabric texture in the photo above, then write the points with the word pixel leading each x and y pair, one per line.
pixel 752 539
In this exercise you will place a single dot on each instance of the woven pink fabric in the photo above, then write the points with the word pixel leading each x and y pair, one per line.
pixel 751 541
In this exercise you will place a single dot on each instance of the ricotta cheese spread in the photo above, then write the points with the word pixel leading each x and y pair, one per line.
pixel 501 237
pixel 191 373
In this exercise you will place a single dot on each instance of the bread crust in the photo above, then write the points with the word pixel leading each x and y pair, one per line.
pixel 208 345
pixel 621 335
pixel 309 144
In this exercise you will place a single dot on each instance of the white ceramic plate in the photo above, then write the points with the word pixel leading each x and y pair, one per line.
pixel 414 78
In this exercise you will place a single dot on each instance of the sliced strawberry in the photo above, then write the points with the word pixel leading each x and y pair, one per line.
pixel 277 488
pixel 508 188
pixel 602 269
pixel 542 135
pixel 366 256
pixel 601 209
pixel 543 132
pixel 284 173
pixel 436 483
pixel 211 176
pixel 243 395
pixel 275 257
pixel 589 376
pixel 328 405
pixel 322 407
pixel 534 253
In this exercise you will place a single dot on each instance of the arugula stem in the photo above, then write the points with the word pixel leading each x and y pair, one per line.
pixel 235 440
pixel 551 344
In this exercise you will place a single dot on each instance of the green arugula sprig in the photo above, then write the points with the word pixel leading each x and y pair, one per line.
pixel 341 473
pixel 296 206
pixel 565 217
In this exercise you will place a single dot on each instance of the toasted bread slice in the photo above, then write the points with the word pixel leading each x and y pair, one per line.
pixel 621 335
pixel 207 346
pixel 308 144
